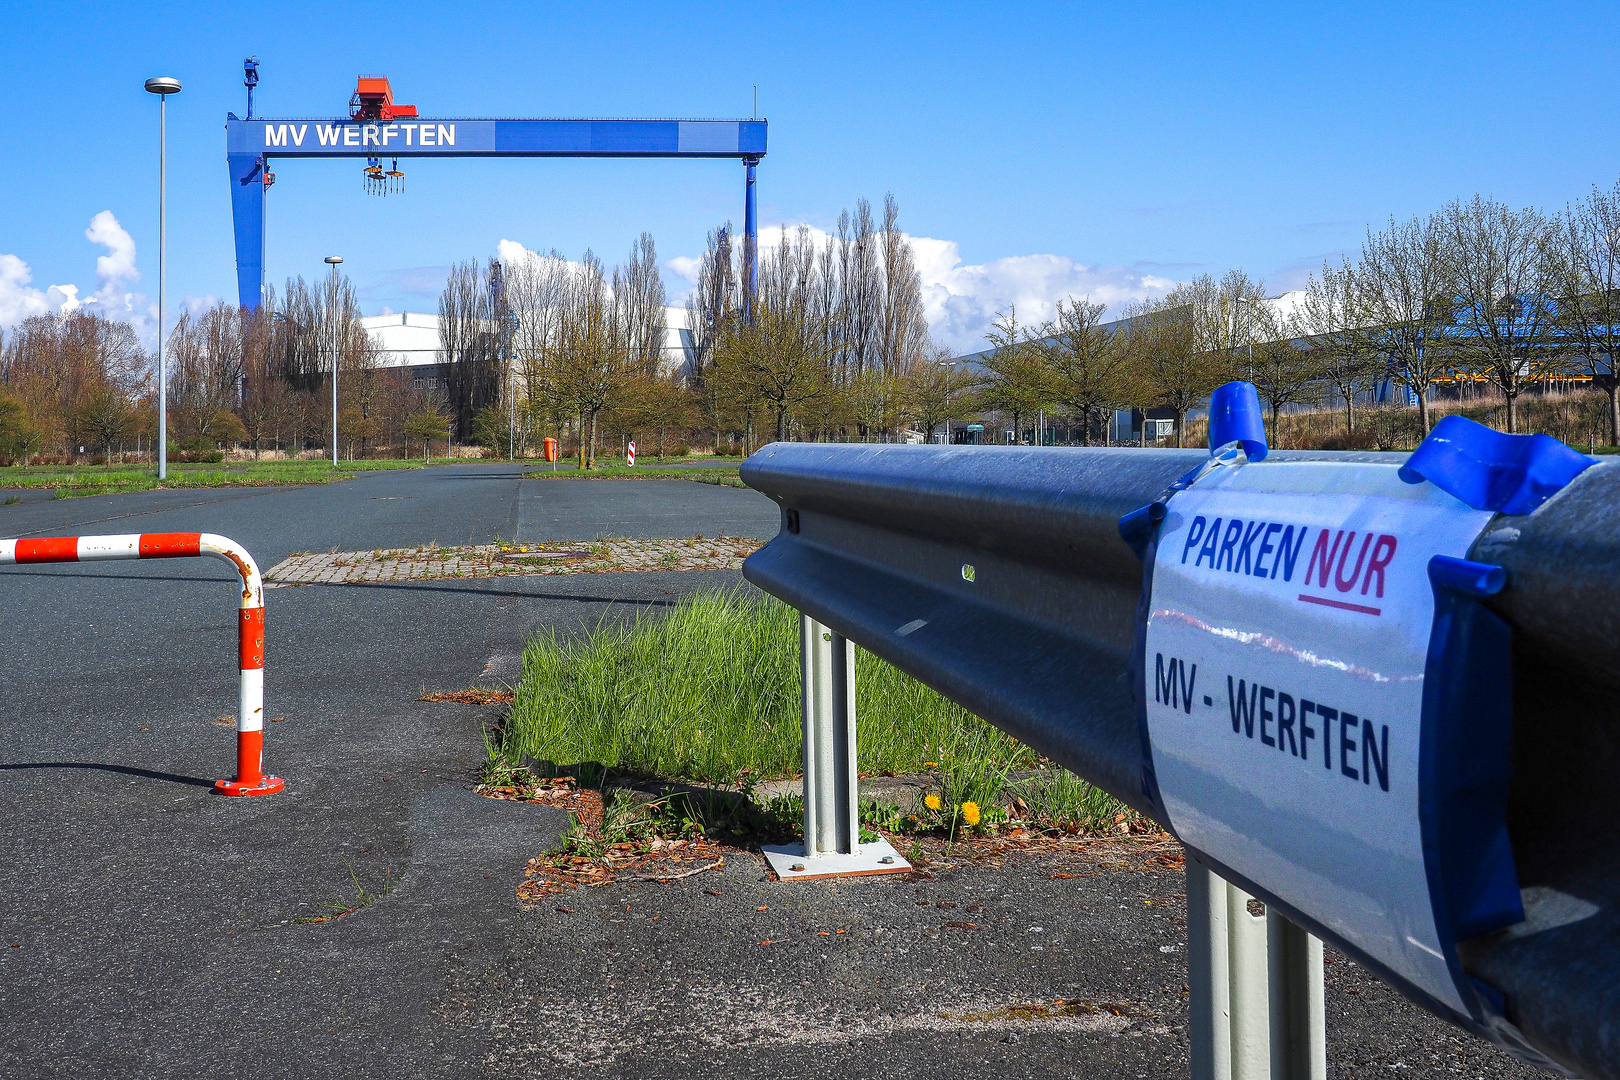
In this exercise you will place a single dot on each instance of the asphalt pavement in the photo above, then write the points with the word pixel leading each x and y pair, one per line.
pixel 150 928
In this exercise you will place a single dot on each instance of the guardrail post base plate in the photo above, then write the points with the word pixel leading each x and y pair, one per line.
pixel 792 864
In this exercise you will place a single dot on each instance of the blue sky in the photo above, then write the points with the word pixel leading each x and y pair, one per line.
pixel 1035 152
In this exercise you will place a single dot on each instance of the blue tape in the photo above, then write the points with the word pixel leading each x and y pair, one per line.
pixel 1466 765
pixel 1489 470
pixel 1235 417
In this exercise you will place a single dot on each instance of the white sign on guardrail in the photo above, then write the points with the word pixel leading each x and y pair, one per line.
pixel 1287 640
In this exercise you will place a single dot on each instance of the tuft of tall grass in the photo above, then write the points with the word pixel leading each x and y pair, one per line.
pixel 710 692
pixel 1060 801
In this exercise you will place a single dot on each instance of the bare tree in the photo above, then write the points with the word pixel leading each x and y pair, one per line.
pixel 778 361
pixel 1177 345
pixel 536 287
pixel 714 303
pixel 639 292
pixel 205 375
pixel 1089 369
pixel 593 353
pixel 1014 379
pixel 861 279
pixel 905 330
pixel 1404 292
pixel 1502 276
pixel 1332 323
pixel 1586 272
pixel 472 328
pixel 1283 369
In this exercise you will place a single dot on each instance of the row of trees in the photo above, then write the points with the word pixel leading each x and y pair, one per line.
pixel 67 380
pixel 1475 293
pixel 834 345
pixel 571 344
pixel 235 376
pixel 833 342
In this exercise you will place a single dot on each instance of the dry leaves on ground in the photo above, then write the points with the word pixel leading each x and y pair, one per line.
pixel 652 859
pixel 473 696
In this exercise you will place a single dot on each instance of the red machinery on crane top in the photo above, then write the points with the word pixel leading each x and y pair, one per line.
pixel 374 100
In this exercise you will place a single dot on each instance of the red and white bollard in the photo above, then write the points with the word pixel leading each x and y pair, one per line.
pixel 250 778
pixel 630 455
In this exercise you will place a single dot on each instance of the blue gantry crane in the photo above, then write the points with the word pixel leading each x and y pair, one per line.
pixel 377 128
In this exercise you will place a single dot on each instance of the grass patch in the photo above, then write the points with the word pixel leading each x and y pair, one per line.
pixel 70 481
pixel 725 475
pixel 709 693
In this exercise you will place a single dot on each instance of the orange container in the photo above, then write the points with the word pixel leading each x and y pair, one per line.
pixel 550 448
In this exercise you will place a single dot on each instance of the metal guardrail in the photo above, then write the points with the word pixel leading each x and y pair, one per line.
pixel 998 576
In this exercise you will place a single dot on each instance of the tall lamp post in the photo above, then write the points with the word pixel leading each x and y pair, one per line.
pixel 334 261
pixel 163 87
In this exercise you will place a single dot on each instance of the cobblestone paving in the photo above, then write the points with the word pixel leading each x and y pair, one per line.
pixel 503 560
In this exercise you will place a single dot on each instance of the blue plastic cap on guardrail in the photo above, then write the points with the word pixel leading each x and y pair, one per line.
pixel 1235 417
pixel 1491 470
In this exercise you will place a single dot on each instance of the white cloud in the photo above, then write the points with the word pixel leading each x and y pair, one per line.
pixel 686 268
pixel 114 271
pixel 18 301
pixel 510 251
pixel 196 305
pixel 118 265
pixel 960 301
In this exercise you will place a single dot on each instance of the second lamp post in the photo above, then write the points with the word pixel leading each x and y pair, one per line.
pixel 337 345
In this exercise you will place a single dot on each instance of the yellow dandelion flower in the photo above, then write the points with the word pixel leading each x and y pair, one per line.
pixel 930 764
pixel 970 813
pixel 932 801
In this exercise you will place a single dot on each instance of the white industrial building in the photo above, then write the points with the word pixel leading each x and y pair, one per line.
pixel 409 342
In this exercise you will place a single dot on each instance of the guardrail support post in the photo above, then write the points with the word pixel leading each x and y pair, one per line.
pixel 831 792
pixel 832 828
pixel 1298 1011
pixel 1256 1006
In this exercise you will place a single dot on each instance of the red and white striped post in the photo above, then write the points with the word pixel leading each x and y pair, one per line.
pixel 250 778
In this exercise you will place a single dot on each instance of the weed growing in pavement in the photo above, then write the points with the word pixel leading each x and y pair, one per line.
pixel 362 898
pixel 579 843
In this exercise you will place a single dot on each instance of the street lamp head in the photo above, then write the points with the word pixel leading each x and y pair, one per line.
pixel 163 85
pixel 333 260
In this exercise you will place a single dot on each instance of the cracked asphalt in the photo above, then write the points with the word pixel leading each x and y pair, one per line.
pixel 152 929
